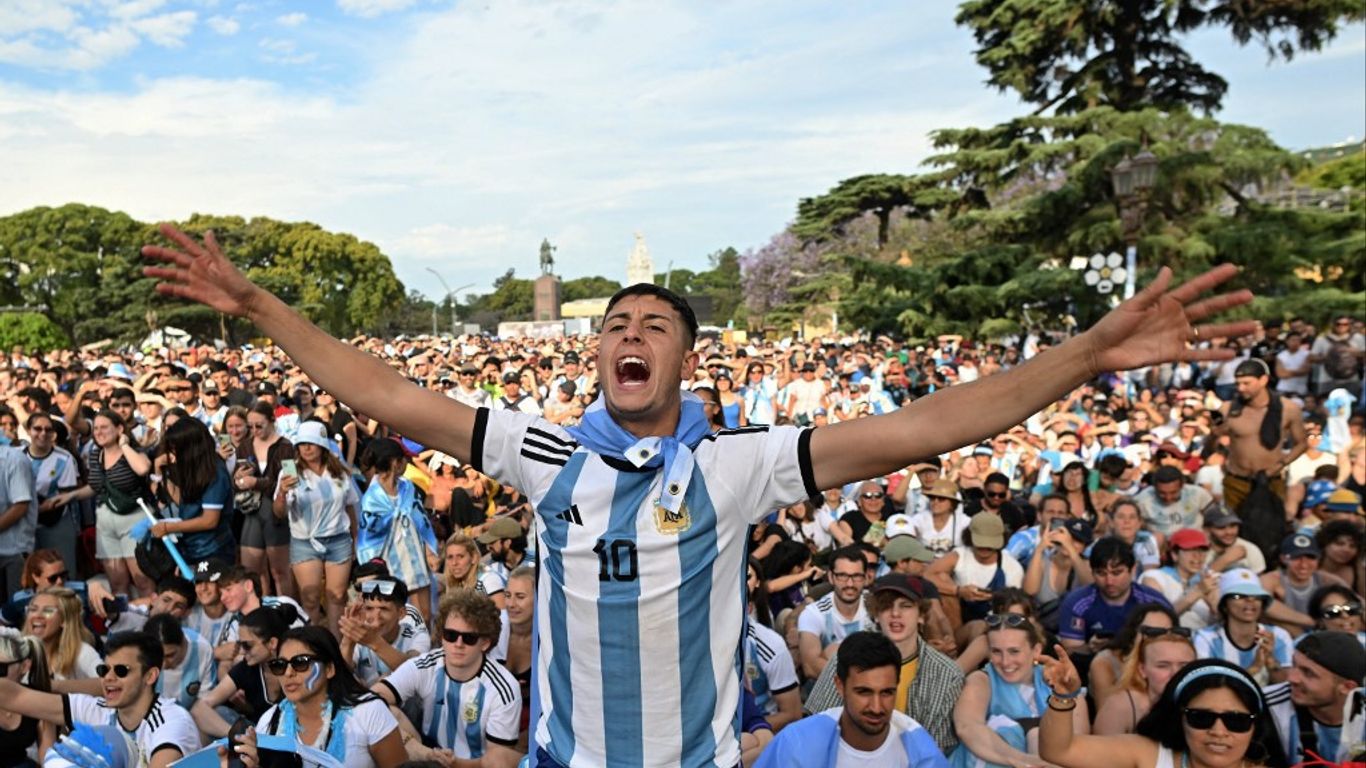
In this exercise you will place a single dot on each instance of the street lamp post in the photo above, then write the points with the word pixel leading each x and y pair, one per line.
pixel 450 295
pixel 1133 179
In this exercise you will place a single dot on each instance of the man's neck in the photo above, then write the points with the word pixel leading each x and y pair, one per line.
pixel 1122 599
pixel 463 673
pixel 1242 633
pixel 846 610
pixel 133 713
pixel 910 647
pixel 214 611
pixel 1328 714
pixel 252 603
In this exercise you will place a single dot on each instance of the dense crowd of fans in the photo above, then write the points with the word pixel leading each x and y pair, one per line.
pixel 1124 532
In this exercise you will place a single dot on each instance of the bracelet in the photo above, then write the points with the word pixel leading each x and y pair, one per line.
pixel 1068 708
pixel 1065 696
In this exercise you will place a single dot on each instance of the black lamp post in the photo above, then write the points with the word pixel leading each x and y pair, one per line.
pixel 1133 179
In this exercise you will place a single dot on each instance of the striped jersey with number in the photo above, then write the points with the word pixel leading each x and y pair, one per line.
pixel 639 611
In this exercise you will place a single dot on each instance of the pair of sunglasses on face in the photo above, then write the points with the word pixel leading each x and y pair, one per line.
pixel 1162 631
pixel 101 670
pixel 1343 609
pixel 300 663
pixel 1235 722
pixel 468 638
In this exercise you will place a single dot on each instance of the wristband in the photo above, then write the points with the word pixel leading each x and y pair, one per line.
pixel 1068 708
pixel 1065 696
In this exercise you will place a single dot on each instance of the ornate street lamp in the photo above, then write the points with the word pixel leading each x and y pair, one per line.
pixel 1133 179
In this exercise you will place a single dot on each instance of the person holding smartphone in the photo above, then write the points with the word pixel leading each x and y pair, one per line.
pixel 198 485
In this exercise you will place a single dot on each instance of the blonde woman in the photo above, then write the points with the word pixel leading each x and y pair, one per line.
pixel 22 660
pixel 465 571
pixel 54 617
pixel 1157 656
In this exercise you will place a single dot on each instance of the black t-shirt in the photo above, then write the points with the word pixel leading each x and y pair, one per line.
pixel 251 682
pixel 1011 515
pixel 858 524
pixel 464 512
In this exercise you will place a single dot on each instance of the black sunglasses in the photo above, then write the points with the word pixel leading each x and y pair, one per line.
pixel 1344 609
pixel 120 670
pixel 468 638
pixel 299 663
pixel 58 575
pixel 1235 722
pixel 1012 620
pixel 995 494
pixel 1160 631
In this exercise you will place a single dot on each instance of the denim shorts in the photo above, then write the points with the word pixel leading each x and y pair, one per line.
pixel 337 548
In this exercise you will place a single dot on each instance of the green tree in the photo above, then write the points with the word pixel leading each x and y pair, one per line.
pixel 1071 55
pixel 513 298
pixel 588 288
pixel 32 331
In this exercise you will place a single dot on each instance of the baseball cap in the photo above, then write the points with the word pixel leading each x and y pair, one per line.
pixel 1298 545
pixel 898 525
pixel 1318 493
pixel 275 367
pixel 912 587
pixel 1343 500
pixel 1080 530
pixel 1172 449
pixel 1219 516
pixel 906 548
pixel 571 356
pixel 1241 581
pixel 469 368
pixel 266 388
pixel 511 377
pixel 808 367
pixel 1338 652
pixel 210 570
pixel 502 528
pixel 988 531
pixel 1189 538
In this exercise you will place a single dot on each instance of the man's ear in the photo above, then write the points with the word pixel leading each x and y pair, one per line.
pixel 691 360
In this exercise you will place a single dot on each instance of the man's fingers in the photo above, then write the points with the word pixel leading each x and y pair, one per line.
pixel 170 255
pixel 1186 292
pixel 1216 304
pixel 1154 290
pixel 180 238
pixel 1227 330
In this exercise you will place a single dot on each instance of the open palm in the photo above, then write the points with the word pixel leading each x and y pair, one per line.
pixel 200 272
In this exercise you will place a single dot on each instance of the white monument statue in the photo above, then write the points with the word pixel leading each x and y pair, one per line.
pixel 639 267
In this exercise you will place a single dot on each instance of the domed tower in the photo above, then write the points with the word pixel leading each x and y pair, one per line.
pixel 639 267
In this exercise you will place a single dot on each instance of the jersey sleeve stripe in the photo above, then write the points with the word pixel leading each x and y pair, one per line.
pixel 398 699
pixel 549 448
pixel 503 742
pixel 481 425
pixel 553 438
pixel 804 463
pixel 542 458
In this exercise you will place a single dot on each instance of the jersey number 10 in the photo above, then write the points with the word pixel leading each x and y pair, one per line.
pixel 623 566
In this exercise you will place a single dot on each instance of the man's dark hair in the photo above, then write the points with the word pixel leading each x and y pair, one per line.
pixel 148 647
pixel 674 300
pixel 38 395
pixel 122 393
pixel 1168 474
pixel 165 628
pixel 1112 465
pixel 1110 550
pixel 234 574
pixel 179 585
pixel 852 553
pixel 864 651
pixel 996 478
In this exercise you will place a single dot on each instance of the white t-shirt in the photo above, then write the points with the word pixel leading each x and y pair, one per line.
pixel 86 660
pixel 317 505
pixel 940 540
pixel 369 722
pixel 970 572
pixel 1302 468
pixel 892 754
pixel 823 620
pixel 370 667
pixel 1168 582
pixel 461 716
pixel 1293 385
pixel 167 724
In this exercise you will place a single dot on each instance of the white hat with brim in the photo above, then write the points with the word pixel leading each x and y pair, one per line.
pixel 312 433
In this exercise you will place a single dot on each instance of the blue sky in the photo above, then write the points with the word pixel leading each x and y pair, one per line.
pixel 457 135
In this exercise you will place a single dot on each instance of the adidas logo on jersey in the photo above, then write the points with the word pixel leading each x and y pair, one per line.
pixel 571 515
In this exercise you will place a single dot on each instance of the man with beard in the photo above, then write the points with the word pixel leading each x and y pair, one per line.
pixel 506 543
pixel 162 730
pixel 996 500
pixel 822 626
pixel 1326 668
pixel 1091 615
pixel 868 730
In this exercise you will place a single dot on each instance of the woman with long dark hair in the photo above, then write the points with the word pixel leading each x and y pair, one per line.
pixel 200 493
pixel 259 634
pixel 1211 715
pixel 326 707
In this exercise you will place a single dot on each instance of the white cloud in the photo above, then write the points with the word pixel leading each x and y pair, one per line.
pixel 132 9
pixel 19 17
pixel 223 25
pixel 291 19
pixel 168 30
pixel 372 8
pixel 281 51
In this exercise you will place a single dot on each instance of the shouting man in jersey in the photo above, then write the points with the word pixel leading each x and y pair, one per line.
pixel 643 511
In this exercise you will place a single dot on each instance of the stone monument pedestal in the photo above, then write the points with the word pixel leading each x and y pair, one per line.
pixel 546 298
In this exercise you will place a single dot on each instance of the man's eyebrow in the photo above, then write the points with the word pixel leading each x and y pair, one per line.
pixel 625 315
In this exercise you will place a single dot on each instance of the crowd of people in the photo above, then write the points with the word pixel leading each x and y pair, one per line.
pixel 1088 572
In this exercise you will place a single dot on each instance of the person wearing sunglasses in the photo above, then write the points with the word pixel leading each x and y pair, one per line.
pixel 1002 703
pixel 1240 638
pixel 1211 715
pixel 326 707
pixel 54 617
pixel 256 475
pixel 162 730
pixel 941 526
pixel 867 521
pixel 22 660
pixel 471 705
pixel 1158 653
pixel 1107 667
pixel 54 476
pixel 1336 607
pixel 1327 672
pixel 258 641
pixel 373 634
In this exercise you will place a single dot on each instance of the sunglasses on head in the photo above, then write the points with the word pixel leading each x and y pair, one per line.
pixel 1345 609
pixel 1235 722
pixel 1012 620
pixel 119 670
pixel 299 663
pixel 1147 631
pixel 468 638
pixel 378 586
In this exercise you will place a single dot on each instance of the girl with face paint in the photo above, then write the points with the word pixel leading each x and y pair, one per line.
pixel 326 707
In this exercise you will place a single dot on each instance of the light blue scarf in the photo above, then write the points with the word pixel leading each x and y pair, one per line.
pixel 601 434
pixel 336 739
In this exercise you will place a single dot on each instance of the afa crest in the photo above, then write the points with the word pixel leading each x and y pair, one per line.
pixel 672 523
pixel 471 713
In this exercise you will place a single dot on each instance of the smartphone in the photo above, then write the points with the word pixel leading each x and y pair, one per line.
pixel 224 439
pixel 1056 523
pixel 235 736
pixel 288 468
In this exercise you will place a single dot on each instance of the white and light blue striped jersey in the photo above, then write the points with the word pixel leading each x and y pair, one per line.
pixel 460 716
pixel 1214 643
pixel 824 620
pixel 54 472
pixel 769 668
pixel 207 627
pixel 370 667
pixel 317 505
pixel 490 581
pixel 166 725
pixel 197 672
pixel 630 595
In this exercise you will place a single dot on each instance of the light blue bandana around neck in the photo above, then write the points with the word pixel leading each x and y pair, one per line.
pixel 599 432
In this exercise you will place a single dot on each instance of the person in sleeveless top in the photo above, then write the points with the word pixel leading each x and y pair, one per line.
pixel 1158 654
pixel 1211 715
pixel 22 658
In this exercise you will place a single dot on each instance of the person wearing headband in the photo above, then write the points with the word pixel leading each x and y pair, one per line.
pixel 1257 422
pixel 1211 715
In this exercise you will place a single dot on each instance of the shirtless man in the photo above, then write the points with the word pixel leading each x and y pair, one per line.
pixel 1253 445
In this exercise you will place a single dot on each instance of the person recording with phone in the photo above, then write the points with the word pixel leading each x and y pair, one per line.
pixel 199 490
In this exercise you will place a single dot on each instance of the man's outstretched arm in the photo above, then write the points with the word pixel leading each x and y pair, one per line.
pixel 200 272
pixel 1155 326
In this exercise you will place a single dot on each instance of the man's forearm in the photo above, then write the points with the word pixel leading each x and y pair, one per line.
pixel 13 515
